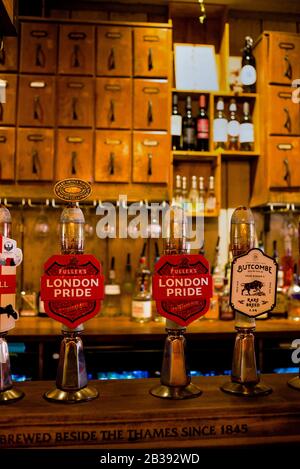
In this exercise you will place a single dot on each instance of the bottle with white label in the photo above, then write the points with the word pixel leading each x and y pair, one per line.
pixel 246 130
pixel 248 71
pixel 233 127
pixel 189 127
pixel 201 196
pixel 184 193
pixel 141 310
pixel 112 290
pixel 193 194
pixel 220 126
pixel 211 201
pixel 176 124
pixel 178 192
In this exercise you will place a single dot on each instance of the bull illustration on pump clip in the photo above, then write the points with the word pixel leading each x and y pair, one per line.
pixel 256 286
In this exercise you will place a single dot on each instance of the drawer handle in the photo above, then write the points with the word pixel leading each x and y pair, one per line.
pixel 74 139
pixel 111 112
pixel 112 141
pixel 76 36
pixel 38 33
pixel 37 108
pixel 73 162
pixel 1 112
pixel 111 163
pixel 288 72
pixel 2 51
pixel 150 59
pixel 37 84
pixel 3 139
pixel 151 90
pixel 111 61
pixel 284 95
pixel 288 121
pixel 40 58
pixel 149 164
pixel 112 35
pixel 75 62
pixel 35 162
pixel 112 87
pixel 151 38
pixel 285 146
pixel 150 113
pixel 35 138
pixel 287 174
pixel 75 84
pixel 150 143
pixel 74 109
pixel 286 45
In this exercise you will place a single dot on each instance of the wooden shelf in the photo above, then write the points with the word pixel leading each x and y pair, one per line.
pixel 233 94
pixel 195 214
pixel 189 155
pixel 239 154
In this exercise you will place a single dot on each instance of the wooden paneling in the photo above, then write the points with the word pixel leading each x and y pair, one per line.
pixel 76 50
pixel 286 120
pixel 75 98
pixel 114 103
pixel 284 51
pixel 239 29
pixel 7 154
pixel 38 48
pixel 35 155
pixel 36 106
pixel 151 99
pixel 286 26
pixel 113 156
pixel 284 168
pixel 8 109
pixel 74 154
pixel 152 52
pixel 9 54
pixel 150 157
pixel 114 51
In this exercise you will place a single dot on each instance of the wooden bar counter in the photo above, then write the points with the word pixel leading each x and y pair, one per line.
pixel 127 416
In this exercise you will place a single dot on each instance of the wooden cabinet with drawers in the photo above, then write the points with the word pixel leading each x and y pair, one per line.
pixel 36 106
pixel 8 109
pixel 38 48
pixel 286 118
pixel 35 154
pixel 74 156
pixel 113 103
pixel 283 57
pixel 113 156
pixel 152 56
pixel 284 165
pixel 9 54
pixel 114 51
pixel 151 104
pixel 75 98
pixel 7 154
pixel 76 49
pixel 151 157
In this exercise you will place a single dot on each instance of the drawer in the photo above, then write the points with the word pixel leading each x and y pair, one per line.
pixel 151 104
pixel 9 54
pixel 284 52
pixel 35 154
pixel 283 154
pixel 7 154
pixel 8 109
pixel 74 154
pixel 36 101
pixel 152 52
pixel 113 103
pixel 286 119
pixel 113 156
pixel 38 48
pixel 76 50
pixel 151 157
pixel 114 51
pixel 75 101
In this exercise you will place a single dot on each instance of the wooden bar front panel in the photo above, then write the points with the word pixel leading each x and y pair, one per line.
pixel 38 48
pixel 75 102
pixel 8 109
pixel 113 103
pixel 152 52
pixel 74 157
pixel 35 154
pixel 151 110
pixel 284 52
pixel 36 101
pixel 284 162
pixel 151 157
pixel 76 50
pixel 114 51
pixel 283 114
pixel 113 156
pixel 9 55
pixel 7 154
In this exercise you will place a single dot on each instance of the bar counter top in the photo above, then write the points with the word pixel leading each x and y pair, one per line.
pixel 127 416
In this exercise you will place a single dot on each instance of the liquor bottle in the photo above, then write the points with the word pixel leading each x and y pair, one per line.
pixel 233 127
pixel 112 290
pixel 176 124
pixel 156 317
pixel 202 125
pixel 141 301
pixel 275 254
pixel 248 71
pixel 246 129
pixel 189 127
pixel 211 201
pixel 193 194
pixel 216 270
pixel 184 193
pixel 220 126
pixel 293 295
pixel 280 310
pixel 127 289
pixel 201 196
pixel 28 302
pixel 178 192
pixel 287 262
pixel 41 308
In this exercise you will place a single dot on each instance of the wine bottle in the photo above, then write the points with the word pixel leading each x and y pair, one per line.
pixel 248 71
pixel 178 192
pixel 211 201
pixel 201 197
pixel 193 194
pixel 141 301
pixel 220 126
pixel 202 125
pixel 233 127
pixel 246 129
pixel 112 301
pixel 127 289
pixel 189 127
pixel 176 124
